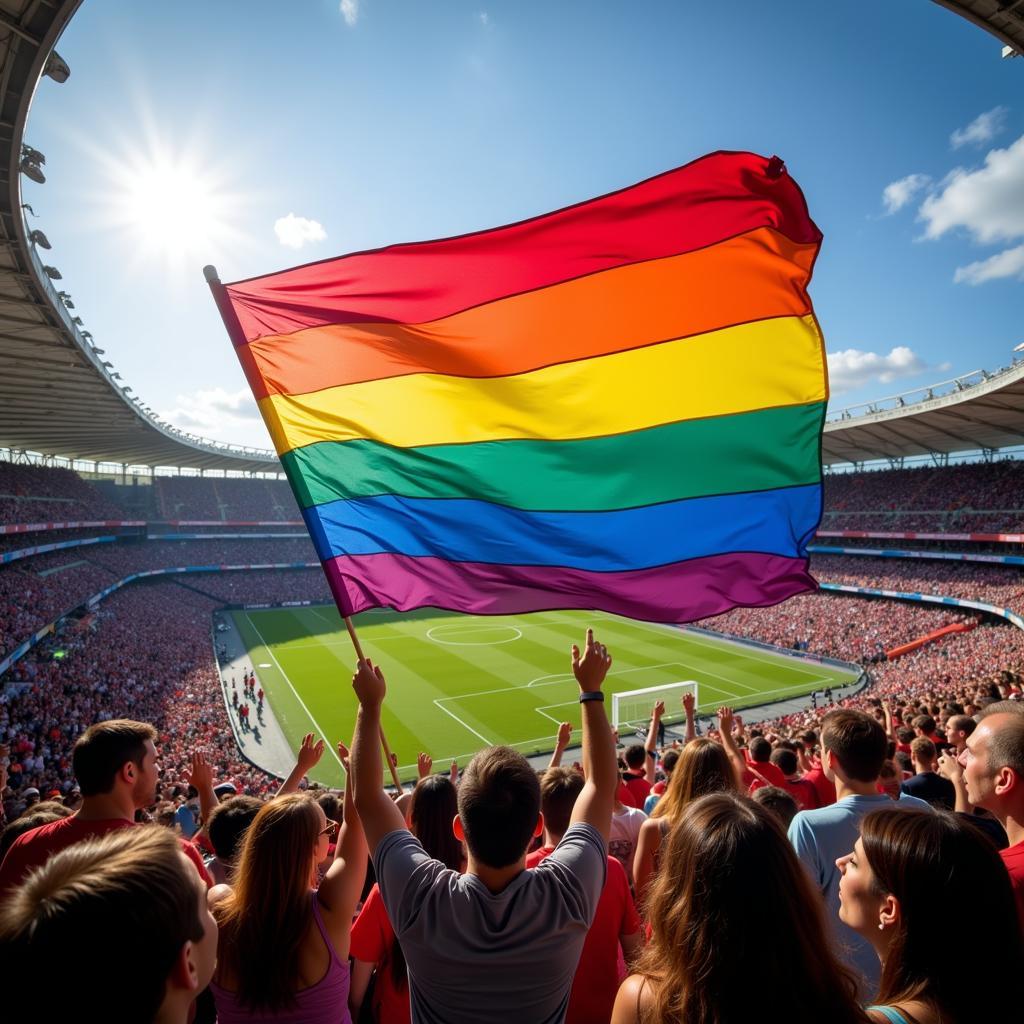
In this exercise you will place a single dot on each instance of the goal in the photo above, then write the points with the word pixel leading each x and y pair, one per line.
pixel 632 708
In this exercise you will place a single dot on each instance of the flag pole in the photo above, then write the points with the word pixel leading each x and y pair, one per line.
pixel 383 739
pixel 237 336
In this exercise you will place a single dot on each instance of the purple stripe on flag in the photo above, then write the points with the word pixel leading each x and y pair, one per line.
pixel 676 592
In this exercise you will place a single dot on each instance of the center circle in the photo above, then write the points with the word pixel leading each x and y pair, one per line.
pixel 435 634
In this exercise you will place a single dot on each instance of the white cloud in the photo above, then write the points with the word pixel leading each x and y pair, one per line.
pixel 851 368
pixel 897 194
pixel 231 416
pixel 1008 263
pixel 988 201
pixel 984 128
pixel 485 18
pixel 294 232
pixel 350 11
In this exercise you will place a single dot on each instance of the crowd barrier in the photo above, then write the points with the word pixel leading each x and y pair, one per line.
pixel 980 538
pixel 13 556
pixel 105 524
pixel 948 556
pixel 955 602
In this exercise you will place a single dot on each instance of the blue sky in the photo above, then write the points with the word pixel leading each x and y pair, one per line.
pixel 262 135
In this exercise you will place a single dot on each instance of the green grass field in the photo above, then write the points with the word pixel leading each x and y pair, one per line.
pixel 457 683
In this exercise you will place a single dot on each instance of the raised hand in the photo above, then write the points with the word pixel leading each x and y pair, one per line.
pixel 590 668
pixel 658 710
pixel 950 768
pixel 369 684
pixel 688 704
pixel 199 774
pixel 424 762
pixel 343 756
pixel 309 753
pixel 564 735
pixel 725 721
pixel 453 772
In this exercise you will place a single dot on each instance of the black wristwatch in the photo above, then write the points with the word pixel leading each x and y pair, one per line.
pixel 591 695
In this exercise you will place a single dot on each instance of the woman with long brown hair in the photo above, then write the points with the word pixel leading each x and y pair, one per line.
pixel 284 942
pixel 732 912
pixel 907 870
pixel 703 767
pixel 374 946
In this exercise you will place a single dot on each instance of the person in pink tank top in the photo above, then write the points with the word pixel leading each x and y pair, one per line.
pixel 284 944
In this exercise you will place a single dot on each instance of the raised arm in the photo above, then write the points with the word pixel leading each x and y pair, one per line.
pixel 890 726
pixel 376 809
pixel 950 768
pixel 651 743
pixel 339 891
pixel 308 757
pixel 597 798
pixel 561 742
pixel 739 766
pixel 200 775
pixel 689 707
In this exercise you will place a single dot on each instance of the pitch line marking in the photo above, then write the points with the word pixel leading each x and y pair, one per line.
pixel 474 629
pixel 437 702
pixel 319 728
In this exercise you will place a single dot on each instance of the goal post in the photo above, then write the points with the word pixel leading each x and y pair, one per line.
pixel 632 708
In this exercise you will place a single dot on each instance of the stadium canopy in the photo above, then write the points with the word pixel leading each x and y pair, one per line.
pixel 59 397
pixel 1002 18
pixel 57 394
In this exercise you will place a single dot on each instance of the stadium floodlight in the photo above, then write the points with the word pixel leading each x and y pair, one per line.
pixel 1009 51
pixel 115 376
pixel 32 164
pixel 38 238
pixel 99 351
pixel 66 299
pixel 109 366
pixel 53 273
pixel 1019 348
pixel 77 321
pixel 57 68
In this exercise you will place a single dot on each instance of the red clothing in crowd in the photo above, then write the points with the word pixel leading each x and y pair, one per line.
pixel 373 942
pixel 772 772
pixel 819 780
pixel 1013 858
pixel 803 792
pixel 37 846
pixel 638 788
pixel 598 975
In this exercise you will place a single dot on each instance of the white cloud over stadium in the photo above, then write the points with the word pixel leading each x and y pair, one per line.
pixel 295 232
pixel 851 368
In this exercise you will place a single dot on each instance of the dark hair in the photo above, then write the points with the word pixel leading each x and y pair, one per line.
pixel 132 891
pixel 228 823
pixel 760 749
pixel 779 801
pixel 333 806
pixel 925 723
pixel 923 750
pixel 669 760
pixel 499 804
pixel 857 741
pixel 785 760
pixel 431 813
pixel 103 750
pixel 905 734
pixel 728 878
pixel 636 755
pixel 918 856
pixel 559 788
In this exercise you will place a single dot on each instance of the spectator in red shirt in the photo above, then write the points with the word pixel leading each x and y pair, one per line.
pixel 638 778
pixel 993 772
pixel 116 767
pixel 793 782
pixel 616 923
pixel 130 898
pixel 759 756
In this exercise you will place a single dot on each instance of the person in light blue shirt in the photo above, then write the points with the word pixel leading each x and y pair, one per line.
pixel 853 750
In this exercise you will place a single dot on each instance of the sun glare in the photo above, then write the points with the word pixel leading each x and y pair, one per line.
pixel 173 209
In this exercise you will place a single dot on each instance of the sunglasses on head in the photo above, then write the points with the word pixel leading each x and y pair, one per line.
pixel 329 829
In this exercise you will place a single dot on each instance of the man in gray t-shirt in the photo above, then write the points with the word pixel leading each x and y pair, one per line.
pixel 498 943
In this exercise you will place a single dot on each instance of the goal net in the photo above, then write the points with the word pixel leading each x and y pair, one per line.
pixel 631 709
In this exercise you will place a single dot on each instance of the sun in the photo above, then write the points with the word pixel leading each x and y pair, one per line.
pixel 173 208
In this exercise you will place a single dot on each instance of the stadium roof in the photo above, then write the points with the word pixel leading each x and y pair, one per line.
pixel 57 394
pixel 59 397
pixel 1002 18
pixel 981 411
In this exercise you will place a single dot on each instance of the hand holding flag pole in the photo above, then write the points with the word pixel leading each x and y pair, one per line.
pixel 234 329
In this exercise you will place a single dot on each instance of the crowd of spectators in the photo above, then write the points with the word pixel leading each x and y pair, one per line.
pixel 40 494
pixel 224 499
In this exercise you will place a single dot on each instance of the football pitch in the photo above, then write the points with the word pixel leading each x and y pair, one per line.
pixel 457 683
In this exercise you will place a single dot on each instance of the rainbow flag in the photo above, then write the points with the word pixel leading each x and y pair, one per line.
pixel 615 406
